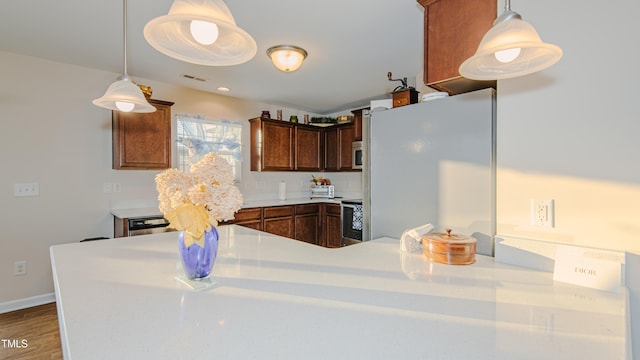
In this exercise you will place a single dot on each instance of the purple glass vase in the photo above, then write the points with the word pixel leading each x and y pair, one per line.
pixel 197 261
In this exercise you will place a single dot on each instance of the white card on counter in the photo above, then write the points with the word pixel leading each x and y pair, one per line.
pixel 589 268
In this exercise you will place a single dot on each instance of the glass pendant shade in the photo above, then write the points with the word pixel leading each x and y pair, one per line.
pixel 200 32
pixel 123 95
pixel 287 58
pixel 511 48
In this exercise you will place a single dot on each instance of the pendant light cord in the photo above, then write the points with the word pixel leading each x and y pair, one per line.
pixel 124 30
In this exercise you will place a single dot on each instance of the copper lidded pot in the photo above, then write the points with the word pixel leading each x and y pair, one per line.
pixel 447 248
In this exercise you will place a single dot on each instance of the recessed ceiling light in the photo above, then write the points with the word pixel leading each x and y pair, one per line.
pixel 223 89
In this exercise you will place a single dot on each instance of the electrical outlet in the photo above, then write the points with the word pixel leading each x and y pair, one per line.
pixel 26 189
pixel 116 187
pixel 542 213
pixel 20 267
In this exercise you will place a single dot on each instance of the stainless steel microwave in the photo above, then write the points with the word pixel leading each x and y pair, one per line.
pixel 357 155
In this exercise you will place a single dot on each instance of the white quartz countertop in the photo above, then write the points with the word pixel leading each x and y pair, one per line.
pixel 278 298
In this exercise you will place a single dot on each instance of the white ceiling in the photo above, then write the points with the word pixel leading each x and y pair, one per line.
pixel 352 44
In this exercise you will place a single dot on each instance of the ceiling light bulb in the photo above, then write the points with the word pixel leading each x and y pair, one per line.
pixel 124 106
pixel 507 56
pixel 204 32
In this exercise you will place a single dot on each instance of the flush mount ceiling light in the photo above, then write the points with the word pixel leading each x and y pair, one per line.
pixel 287 58
pixel 123 95
pixel 200 32
pixel 511 48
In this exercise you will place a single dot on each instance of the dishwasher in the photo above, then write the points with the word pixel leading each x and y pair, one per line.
pixel 133 226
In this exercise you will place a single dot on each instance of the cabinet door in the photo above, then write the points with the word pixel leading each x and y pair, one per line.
pixel 331 149
pixel 332 229
pixel 306 228
pixel 308 148
pixel 282 226
pixel 357 123
pixel 452 32
pixel 307 223
pixel 271 145
pixel 142 141
pixel 346 136
pixel 279 220
pixel 248 217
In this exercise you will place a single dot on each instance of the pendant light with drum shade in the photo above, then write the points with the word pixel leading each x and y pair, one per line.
pixel 511 48
pixel 200 32
pixel 124 95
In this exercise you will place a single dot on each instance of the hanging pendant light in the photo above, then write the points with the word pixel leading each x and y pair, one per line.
pixel 511 48
pixel 201 32
pixel 287 58
pixel 124 95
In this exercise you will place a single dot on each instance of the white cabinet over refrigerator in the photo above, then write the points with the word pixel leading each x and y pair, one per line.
pixel 433 162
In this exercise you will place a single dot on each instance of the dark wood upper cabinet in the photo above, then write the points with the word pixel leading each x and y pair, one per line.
pixel 357 123
pixel 142 141
pixel 452 32
pixel 331 149
pixel 308 148
pixel 278 145
pixel 271 145
pixel 346 137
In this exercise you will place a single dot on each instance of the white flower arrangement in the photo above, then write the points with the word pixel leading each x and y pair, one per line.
pixel 197 200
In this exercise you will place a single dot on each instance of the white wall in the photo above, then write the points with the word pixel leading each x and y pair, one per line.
pixel 571 132
pixel 52 134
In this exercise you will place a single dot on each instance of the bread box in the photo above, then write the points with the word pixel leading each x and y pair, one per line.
pixel 448 248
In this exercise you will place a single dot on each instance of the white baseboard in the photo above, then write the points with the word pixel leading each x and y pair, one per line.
pixel 20 304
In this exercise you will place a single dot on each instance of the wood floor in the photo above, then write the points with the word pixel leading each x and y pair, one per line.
pixel 30 334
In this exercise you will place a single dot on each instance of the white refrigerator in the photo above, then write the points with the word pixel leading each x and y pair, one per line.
pixel 432 162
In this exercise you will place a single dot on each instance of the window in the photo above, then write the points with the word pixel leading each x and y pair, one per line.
pixel 197 136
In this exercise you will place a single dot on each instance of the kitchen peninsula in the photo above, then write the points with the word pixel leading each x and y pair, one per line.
pixel 274 298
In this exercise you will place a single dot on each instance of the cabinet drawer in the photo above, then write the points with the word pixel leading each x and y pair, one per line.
pixel 248 214
pixel 278 211
pixel 307 209
pixel 332 209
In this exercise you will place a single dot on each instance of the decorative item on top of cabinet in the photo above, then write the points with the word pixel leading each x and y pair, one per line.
pixel 142 141
pixel 404 97
pixel 452 31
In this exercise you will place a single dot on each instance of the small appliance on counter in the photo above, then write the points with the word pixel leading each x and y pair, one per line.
pixel 323 191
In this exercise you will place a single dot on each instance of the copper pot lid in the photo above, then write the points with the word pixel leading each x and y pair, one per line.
pixel 448 237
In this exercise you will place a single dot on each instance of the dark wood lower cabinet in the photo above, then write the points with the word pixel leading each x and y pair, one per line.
pixel 251 218
pixel 278 220
pixel 307 223
pixel 332 226
pixel 318 224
